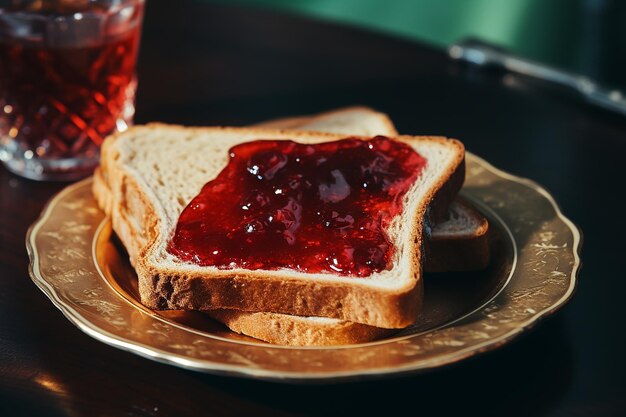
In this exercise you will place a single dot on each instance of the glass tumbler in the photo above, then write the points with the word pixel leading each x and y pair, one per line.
pixel 67 80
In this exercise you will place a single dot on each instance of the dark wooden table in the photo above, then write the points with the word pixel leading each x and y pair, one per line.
pixel 203 64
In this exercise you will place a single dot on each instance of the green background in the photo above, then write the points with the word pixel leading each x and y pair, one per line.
pixel 587 36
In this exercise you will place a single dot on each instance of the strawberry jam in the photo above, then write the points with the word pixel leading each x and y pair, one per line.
pixel 312 208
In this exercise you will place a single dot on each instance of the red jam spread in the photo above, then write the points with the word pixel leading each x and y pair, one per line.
pixel 312 208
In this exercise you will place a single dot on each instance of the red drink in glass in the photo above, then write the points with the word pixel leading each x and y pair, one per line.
pixel 67 80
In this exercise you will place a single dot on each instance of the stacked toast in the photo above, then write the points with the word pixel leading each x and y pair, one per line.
pixel 150 174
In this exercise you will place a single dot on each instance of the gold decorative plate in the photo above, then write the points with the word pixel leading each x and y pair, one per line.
pixel 78 263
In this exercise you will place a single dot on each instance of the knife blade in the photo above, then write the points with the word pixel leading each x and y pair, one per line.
pixel 481 53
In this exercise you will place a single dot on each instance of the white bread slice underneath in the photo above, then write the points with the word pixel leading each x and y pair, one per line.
pixel 155 170
pixel 353 120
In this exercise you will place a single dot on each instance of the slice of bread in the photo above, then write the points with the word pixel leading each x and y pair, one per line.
pixel 151 189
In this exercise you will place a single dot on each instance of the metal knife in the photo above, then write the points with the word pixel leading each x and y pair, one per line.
pixel 484 54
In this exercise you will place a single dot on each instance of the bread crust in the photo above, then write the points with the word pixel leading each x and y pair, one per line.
pixel 162 287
